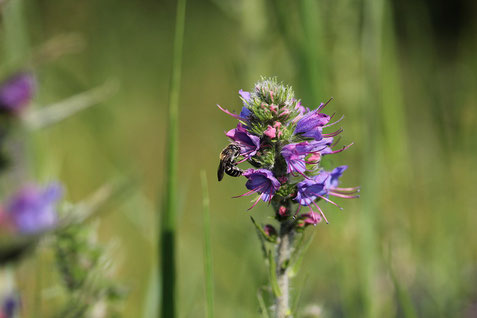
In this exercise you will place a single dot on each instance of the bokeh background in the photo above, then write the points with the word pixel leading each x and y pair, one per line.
pixel 404 74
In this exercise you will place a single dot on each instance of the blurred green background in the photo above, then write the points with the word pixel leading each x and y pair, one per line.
pixel 404 74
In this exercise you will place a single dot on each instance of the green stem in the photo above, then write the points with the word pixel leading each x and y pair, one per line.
pixel 169 215
pixel 283 255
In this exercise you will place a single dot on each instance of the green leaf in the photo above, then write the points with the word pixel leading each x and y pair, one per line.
pixel 263 307
pixel 262 232
pixel 272 266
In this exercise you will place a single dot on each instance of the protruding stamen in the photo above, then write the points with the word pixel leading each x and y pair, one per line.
pixel 256 201
pixel 324 105
pixel 343 195
pixel 339 131
pixel 336 142
pixel 342 149
pixel 297 210
pixel 321 212
pixel 246 193
pixel 231 114
pixel 334 122
pixel 328 200
pixel 347 190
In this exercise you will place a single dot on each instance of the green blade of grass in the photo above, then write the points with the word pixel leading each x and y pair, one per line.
pixel 209 278
pixel 169 214
pixel 263 306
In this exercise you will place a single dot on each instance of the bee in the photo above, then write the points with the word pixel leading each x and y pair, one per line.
pixel 227 162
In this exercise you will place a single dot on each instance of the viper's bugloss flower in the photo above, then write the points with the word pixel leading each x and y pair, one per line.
pixel 311 124
pixel 286 143
pixel 294 154
pixel 332 182
pixel 16 92
pixel 33 209
pixel 261 181
pixel 249 144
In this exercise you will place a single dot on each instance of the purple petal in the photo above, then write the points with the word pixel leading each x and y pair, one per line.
pixel 16 92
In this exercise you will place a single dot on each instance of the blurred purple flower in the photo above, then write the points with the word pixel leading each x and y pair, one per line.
pixel 16 92
pixel 33 209
pixel 9 307
pixel 249 144
pixel 260 181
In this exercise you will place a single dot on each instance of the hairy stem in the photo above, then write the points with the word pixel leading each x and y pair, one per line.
pixel 283 254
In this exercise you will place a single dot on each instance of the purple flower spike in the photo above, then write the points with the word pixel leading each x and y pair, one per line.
pixel 249 144
pixel 16 92
pixel 261 181
pixel 311 124
pixel 33 209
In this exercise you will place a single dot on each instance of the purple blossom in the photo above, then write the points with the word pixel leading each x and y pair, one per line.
pixel 33 209
pixel 9 307
pixel 332 182
pixel 16 92
pixel 309 189
pixel 245 96
pixel 311 124
pixel 261 181
pixel 321 186
pixel 249 144
pixel 294 154
pixel 300 107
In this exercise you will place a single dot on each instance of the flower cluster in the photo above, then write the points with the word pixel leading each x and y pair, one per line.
pixel 285 142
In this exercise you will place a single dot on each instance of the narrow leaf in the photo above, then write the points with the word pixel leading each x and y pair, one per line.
pixel 209 278
pixel 273 275
pixel 261 302
pixel 167 233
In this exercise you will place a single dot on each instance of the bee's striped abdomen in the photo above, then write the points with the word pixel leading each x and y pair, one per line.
pixel 233 171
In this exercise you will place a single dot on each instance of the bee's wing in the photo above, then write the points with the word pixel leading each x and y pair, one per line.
pixel 220 171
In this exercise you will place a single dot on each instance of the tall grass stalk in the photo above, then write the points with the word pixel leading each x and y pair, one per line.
pixel 209 278
pixel 169 213
pixel 371 53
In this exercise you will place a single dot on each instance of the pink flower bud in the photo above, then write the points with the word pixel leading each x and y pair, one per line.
pixel 270 132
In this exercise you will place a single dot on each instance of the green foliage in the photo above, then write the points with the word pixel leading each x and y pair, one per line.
pixel 84 268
